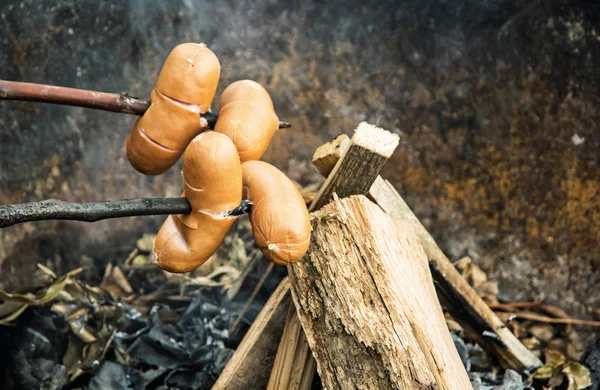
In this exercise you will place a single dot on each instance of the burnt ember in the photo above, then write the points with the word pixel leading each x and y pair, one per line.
pixel 161 351
pixel 138 327
pixel 188 353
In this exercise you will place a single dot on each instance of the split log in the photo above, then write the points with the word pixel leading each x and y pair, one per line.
pixel 456 295
pixel 251 364
pixel 366 300
pixel 355 163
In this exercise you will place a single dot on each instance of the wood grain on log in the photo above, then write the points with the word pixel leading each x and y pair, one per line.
pixel 355 172
pixel 366 299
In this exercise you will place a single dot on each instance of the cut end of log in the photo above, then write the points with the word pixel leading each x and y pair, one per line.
pixel 376 139
pixel 327 155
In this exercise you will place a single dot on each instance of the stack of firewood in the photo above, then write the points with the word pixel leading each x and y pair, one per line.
pixel 364 306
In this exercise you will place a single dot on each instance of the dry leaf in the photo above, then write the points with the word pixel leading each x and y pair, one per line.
pixel 531 343
pixel 544 332
pixel 577 375
pixel 15 304
pixel 146 243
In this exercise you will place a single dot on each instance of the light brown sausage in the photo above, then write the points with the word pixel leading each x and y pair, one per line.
pixel 146 156
pixel 279 217
pixel 247 116
pixel 184 90
pixel 212 178
pixel 245 90
pixel 190 74
pixel 167 127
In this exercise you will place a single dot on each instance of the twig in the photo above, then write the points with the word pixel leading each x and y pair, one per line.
pixel 14 90
pixel 549 320
pixel 514 305
pixel 115 102
pixel 92 212
pixel 251 299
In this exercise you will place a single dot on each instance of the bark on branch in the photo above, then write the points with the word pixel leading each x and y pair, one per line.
pixel 115 102
pixel 96 211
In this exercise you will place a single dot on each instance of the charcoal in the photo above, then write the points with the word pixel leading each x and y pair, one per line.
pixel 463 351
pixel 511 381
pixel 148 379
pixel 36 345
pixel 591 359
pixel 159 348
pixel 185 379
pixel 111 376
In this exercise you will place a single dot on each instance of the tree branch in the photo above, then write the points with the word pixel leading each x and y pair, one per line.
pixel 92 212
pixel 115 102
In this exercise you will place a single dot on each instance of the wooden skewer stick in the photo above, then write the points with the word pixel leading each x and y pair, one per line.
pixel 115 102
pixel 96 211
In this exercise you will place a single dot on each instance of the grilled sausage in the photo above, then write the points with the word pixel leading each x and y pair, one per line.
pixel 279 217
pixel 185 89
pixel 212 177
pixel 247 116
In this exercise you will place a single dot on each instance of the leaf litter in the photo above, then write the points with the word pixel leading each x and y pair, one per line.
pixel 140 327
pixel 143 328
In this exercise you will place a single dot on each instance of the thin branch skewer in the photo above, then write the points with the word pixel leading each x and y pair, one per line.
pixel 96 211
pixel 115 102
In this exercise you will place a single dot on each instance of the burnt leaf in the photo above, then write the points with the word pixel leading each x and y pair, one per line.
pixel 111 376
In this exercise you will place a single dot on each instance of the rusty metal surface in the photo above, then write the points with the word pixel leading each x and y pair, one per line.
pixel 495 101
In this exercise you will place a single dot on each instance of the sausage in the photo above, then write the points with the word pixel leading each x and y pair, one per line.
pixel 245 90
pixel 168 126
pixel 212 177
pixel 147 156
pixel 185 89
pixel 190 75
pixel 247 116
pixel 279 217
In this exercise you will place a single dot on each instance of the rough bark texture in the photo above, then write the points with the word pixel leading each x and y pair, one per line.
pixel 249 368
pixel 366 299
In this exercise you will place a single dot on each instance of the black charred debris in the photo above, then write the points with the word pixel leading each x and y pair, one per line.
pixel 173 334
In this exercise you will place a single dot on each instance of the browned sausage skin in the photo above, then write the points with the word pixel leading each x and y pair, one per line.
pixel 247 116
pixel 190 74
pixel 185 89
pixel 279 217
pixel 212 178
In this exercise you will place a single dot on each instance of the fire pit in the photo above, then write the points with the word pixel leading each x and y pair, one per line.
pixel 496 158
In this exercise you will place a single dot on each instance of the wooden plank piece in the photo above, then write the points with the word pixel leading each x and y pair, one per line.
pixel 291 354
pixel 326 156
pixel 366 300
pixel 250 366
pixel 359 166
pixel 455 293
